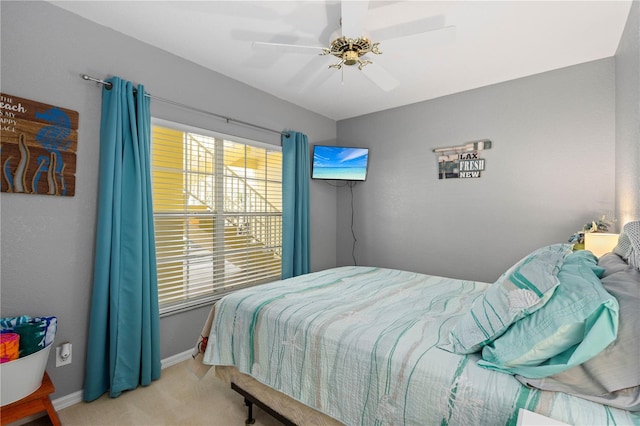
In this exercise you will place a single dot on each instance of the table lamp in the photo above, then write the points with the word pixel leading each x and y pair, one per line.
pixel 600 243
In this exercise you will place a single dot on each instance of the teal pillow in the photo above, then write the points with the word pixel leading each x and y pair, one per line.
pixel 519 292
pixel 588 258
pixel 579 321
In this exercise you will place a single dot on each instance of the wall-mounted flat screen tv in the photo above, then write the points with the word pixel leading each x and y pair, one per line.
pixel 339 163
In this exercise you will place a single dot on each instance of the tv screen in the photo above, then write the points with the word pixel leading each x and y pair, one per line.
pixel 339 163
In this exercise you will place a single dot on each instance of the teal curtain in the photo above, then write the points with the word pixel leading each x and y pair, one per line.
pixel 295 204
pixel 124 342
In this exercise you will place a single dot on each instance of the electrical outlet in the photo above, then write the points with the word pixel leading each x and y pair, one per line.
pixel 63 354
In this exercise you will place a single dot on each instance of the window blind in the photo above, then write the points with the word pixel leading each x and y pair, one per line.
pixel 217 205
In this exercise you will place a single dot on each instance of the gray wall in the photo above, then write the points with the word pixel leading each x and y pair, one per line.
pixel 48 242
pixel 551 169
pixel 628 119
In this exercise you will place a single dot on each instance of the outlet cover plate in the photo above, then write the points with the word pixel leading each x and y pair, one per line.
pixel 59 361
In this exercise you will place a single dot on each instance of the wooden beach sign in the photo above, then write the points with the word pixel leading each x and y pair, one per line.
pixel 38 144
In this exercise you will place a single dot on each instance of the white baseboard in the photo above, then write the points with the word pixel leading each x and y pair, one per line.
pixel 76 397
pixel 67 401
pixel 176 359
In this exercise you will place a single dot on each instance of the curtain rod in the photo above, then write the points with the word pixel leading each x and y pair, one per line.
pixel 108 86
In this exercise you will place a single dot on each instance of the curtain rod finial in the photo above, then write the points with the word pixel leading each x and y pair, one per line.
pixel 107 85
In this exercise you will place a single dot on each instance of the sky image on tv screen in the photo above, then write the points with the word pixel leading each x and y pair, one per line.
pixel 333 162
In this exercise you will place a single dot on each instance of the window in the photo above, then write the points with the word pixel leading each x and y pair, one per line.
pixel 217 206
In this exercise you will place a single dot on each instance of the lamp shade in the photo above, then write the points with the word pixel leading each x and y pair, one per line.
pixel 600 243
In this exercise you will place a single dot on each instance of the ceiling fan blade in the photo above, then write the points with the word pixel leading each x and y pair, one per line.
pixel 439 37
pixel 251 36
pixel 310 75
pixel 353 14
pixel 409 28
pixel 319 77
pixel 287 48
pixel 380 77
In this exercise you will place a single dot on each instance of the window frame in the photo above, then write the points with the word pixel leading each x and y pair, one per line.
pixel 205 300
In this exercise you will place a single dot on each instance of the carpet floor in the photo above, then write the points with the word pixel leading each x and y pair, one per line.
pixel 177 398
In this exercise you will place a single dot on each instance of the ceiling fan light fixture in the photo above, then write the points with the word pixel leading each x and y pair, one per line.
pixel 363 63
pixel 349 51
pixel 350 57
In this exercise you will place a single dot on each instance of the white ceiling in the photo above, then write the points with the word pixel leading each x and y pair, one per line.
pixel 490 42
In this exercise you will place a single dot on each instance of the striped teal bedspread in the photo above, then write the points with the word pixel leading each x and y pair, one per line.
pixel 359 344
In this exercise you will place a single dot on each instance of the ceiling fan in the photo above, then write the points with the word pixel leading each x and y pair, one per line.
pixel 352 48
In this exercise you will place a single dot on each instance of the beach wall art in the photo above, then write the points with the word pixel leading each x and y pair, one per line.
pixel 38 144
pixel 462 161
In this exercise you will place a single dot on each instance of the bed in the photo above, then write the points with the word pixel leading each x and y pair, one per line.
pixel 374 346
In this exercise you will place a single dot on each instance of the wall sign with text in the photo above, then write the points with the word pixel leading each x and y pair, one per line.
pixel 462 162
pixel 38 149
